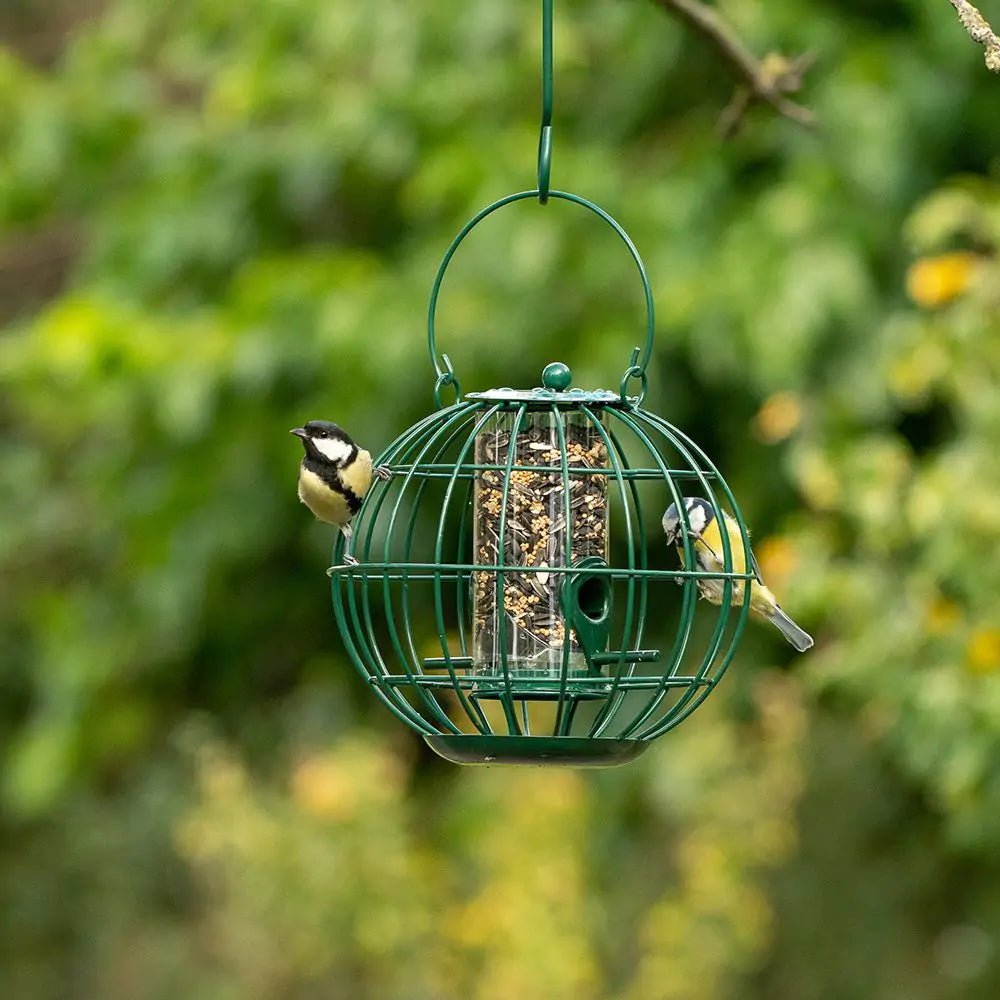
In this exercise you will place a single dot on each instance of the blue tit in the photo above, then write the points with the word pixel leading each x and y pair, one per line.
pixel 335 475
pixel 707 543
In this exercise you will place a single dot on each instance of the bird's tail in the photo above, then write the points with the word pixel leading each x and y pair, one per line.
pixel 800 639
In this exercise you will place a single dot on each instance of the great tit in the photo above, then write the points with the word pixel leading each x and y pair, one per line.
pixel 707 543
pixel 335 475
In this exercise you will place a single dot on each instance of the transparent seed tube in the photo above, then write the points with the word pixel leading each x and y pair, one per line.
pixel 529 622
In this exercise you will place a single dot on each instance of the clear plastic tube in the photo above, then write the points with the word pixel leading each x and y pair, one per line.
pixel 531 623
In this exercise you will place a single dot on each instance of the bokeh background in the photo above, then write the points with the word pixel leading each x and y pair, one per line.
pixel 219 218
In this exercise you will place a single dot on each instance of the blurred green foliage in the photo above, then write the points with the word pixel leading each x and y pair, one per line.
pixel 220 218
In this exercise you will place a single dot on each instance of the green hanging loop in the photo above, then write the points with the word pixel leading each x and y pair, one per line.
pixel 544 164
pixel 545 136
pixel 634 371
pixel 640 356
pixel 447 377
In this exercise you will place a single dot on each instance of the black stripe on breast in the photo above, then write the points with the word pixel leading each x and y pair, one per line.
pixel 331 477
pixel 353 500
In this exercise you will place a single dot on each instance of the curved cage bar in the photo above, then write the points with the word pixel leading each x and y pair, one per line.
pixel 640 355
pixel 515 599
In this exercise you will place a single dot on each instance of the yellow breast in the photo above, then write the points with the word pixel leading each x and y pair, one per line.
pixel 358 475
pixel 326 504
pixel 329 505
pixel 710 555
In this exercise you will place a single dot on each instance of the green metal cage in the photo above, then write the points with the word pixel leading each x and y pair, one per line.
pixel 425 669
pixel 507 584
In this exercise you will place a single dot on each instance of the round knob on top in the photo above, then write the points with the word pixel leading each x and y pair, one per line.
pixel 556 376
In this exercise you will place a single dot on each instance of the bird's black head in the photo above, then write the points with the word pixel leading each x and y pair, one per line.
pixel 324 430
pixel 326 442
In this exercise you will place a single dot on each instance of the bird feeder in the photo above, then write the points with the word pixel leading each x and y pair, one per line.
pixel 513 599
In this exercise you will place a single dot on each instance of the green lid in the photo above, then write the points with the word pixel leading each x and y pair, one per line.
pixel 556 379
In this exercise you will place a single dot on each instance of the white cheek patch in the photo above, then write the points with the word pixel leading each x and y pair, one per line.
pixel 696 517
pixel 332 449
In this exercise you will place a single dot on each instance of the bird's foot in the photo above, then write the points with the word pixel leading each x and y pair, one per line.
pixel 348 532
pixel 383 472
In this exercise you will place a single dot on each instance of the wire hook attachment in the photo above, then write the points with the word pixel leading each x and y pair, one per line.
pixel 545 136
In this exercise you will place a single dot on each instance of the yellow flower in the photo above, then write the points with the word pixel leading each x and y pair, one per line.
pixel 779 417
pixel 936 281
pixel 982 651
pixel 322 788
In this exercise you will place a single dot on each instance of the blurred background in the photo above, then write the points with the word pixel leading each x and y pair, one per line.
pixel 219 218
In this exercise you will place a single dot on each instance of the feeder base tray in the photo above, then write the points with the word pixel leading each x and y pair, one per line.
pixel 571 751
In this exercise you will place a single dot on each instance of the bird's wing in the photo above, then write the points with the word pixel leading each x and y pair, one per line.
pixel 755 567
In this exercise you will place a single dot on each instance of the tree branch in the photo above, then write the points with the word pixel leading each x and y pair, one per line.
pixel 979 31
pixel 769 79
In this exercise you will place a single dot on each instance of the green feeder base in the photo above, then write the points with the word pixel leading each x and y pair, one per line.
pixel 571 751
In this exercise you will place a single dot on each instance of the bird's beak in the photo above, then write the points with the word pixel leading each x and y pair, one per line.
pixel 300 432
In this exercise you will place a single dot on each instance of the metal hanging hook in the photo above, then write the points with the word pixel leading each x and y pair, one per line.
pixel 545 136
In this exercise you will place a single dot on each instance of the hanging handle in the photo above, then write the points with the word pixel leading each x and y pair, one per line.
pixel 640 356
